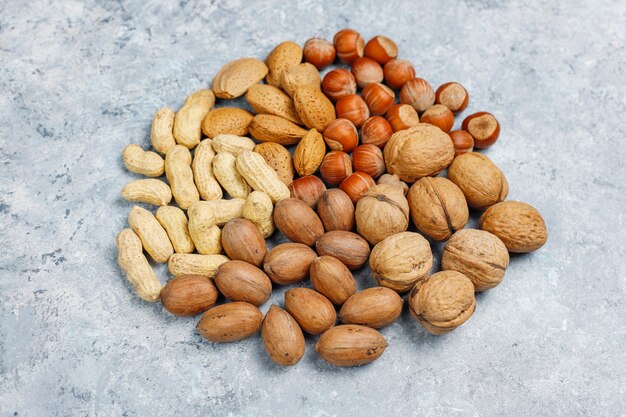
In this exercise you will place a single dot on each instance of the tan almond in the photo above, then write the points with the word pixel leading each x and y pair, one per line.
pixel 226 120
pixel 314 108
pixel 309 153
pixel 188 295
pixel 299 222
pixel 270 128
pixel 288 263
pixel 299 75
pixel 313 312
pixel 333 279
pixel 282 337
pixel 348 247
pixel 234 79
pixel 351 345
pixel 241 281
pixel 283 56
pixel 267 99
pixel 374 307
pixel 279 158
pixel 230 322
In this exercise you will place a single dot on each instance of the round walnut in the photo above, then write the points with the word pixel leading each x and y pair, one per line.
pixel 401 260
pixel 420 151
pixel 519 225
pixel 438 207
pixel 479 255
pixel 443 301
pixel 481 181
pixel 382 211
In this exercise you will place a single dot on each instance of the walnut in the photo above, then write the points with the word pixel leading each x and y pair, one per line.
pixel 382 211
pixel 519 225
pixel 481 181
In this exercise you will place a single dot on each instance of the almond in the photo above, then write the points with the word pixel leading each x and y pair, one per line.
pixel 309 153
pixel 279 158
pixel 315 109
pixel 299 222
pixel 332 278
pixel 234 79
pixel 282 337
pixel 267 99
pixel 226 120
pixel 230 322
pixel 242 240
pixel 348 247
pixel 374 307
pixel 299 75
pixel 313 312
pixel 283 56
pixel 270 128
pixel 351 345
pixel 288 263
pixel 188 295
pixel 240 281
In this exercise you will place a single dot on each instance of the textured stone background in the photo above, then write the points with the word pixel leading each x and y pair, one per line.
pixel 80 80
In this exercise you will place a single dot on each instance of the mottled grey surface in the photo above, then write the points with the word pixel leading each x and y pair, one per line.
pixel 80 80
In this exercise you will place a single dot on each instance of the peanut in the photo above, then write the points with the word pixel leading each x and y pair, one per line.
pixel 225 170
pixel 180 176
pixel 151 191
pixel 258 208
pixel 223 210
pixel 232 144
pixel 142 162
pixel 161 135
pixel 202 229
pixel 202 167
pixel 188 120
pixel 174 222
pixel 153 237
pixel 133 262
pixel 261 177
pixel 194 264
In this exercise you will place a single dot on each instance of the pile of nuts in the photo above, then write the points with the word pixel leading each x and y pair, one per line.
pixel 340 174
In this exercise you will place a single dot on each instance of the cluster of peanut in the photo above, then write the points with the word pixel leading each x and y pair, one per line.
pixel 234 190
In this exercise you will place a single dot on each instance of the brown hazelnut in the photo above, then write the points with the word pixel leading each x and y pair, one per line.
pixel 356 184
pixel 376 131
pixel 393 180
pixel 319 52
pixel 336 210
pixel 353 108
pixel 341 135
pixel 368 158
pixel 483 127
pixel 381 49
pixel 308 189
pixel 402 116
pixel 452 95
pixel 397 72
pixel 366 71
pixel 378 98
pixel 336 167
pixel 481 181
pixel 440 116
pixel 349 45
pixel 519 225
pixel 463 142
pixel 418 93
pixel 381 212
pixel 338 83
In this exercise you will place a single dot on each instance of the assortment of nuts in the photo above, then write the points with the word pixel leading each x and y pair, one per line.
pixel 364 171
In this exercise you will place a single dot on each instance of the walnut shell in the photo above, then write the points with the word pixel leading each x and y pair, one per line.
pixel 401 260
pixel 382 211
pixel 479 255
pixel 438 207
pixel 443 301
pixel 481 181
pixel 420 151
pixel 519 225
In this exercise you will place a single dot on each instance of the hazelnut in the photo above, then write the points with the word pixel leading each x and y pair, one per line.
pixel 378 98
pixel 481 181
pixel 519 225
pixel 382 211
pixel 381 49
pixel 393 180
pixel 366 71
pixel 308 189
pixel 353 108
pixel 418 93
pixel 341 135
pixel 349 45
pixel 402 116
pixel 397 72
pixel 336 210
pixel 338 83
pixel 463 142
pixel 483 127
pixel 440 116
pixel 319 52
pixel 368 158
pixel 336 167
pixel 376 131
pixel 356 184
pixel 452 95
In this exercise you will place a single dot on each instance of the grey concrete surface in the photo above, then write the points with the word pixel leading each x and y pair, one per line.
pixel 81 79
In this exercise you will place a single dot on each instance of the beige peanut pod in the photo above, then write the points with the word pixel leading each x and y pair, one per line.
pixel 194 264
pixel 232 144
pixel 202 229
pixel 174 221
pixel 261 177
pixel 142 162
pixel 258 208
pixel 180 176
pixel 161 135
pixel 150 190
pixel 225 170
pixel 202 167
pixel 136 267
pixel 223 210
pixel 153 237
pixel 188 121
